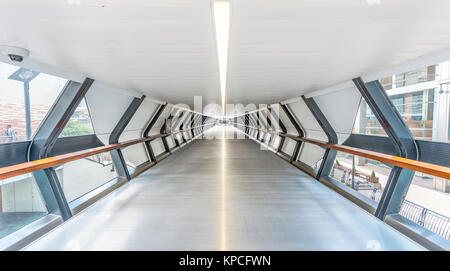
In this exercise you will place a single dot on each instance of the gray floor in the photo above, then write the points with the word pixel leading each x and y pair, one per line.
pixel 224 195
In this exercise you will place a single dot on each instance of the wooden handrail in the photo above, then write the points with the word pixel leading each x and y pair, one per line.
pixel 28 167
pixel 185 130
pixel 432 169
pixel 263 130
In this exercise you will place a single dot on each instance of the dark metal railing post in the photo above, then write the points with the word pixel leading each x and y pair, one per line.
pixel 330 155
pixel 45 139
pixel 116 155
pixel 149 127
pixel 282 127
pixel 163 130
pixel 297 127
pixel 402 138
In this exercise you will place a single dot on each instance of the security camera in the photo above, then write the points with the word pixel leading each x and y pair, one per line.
pixel 16 54
pixel 15 58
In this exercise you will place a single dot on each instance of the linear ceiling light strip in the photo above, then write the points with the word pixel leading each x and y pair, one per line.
pixel 222 26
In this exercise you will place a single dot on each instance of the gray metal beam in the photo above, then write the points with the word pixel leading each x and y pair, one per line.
pixel 163 139
pixel 401 136
pixel 282 127
pixel 252 120
pixel 149 127
pixel 297 127
pixel 330 155
pixel 166 146
pixel 263 116
pixel 246 123
pixel 257 125
pixel 116 155
pixel 46 137
pixel 192 125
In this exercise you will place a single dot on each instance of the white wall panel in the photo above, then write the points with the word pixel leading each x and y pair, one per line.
pixel 291 130
pixel 157 146
pixel 130 135
pixel 307 120
pixel 140 118
pixel 106 107
pixel 319 135
pixel 158 124
pixel 340 108
pixel 287 123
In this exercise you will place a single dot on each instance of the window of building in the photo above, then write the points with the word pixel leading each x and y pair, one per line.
pixel 80 122
pixel 417 110
pixel 25 98
pixel 386 82
pixel 366 122
pixel 414 77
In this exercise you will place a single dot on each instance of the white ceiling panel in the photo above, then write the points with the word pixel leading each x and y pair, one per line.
pixel 278 49
pixel 165 49
pixel 285 48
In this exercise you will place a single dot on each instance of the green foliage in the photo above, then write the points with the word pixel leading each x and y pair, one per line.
pixel 337 162
pixel 73 128
pixel 373 174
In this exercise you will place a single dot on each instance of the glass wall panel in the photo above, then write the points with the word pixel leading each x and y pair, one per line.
pixel 417 110
pixel 135 155
pixel 422 97
pixel 80 122
pixel 20 203
pixel 80 177
pixel 18 85
pixel 366 122
pixel 427 203
pixel 170 142
pixel 288 146
pixel 311 155
pixel 368 177
pixel 276 141
pixel 157 146
pixel 416 76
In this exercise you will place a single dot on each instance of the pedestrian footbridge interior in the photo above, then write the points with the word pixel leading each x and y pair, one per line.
pixel 224 125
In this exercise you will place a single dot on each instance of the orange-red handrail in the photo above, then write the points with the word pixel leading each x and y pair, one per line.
pixel 27 167
pixel 432 169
